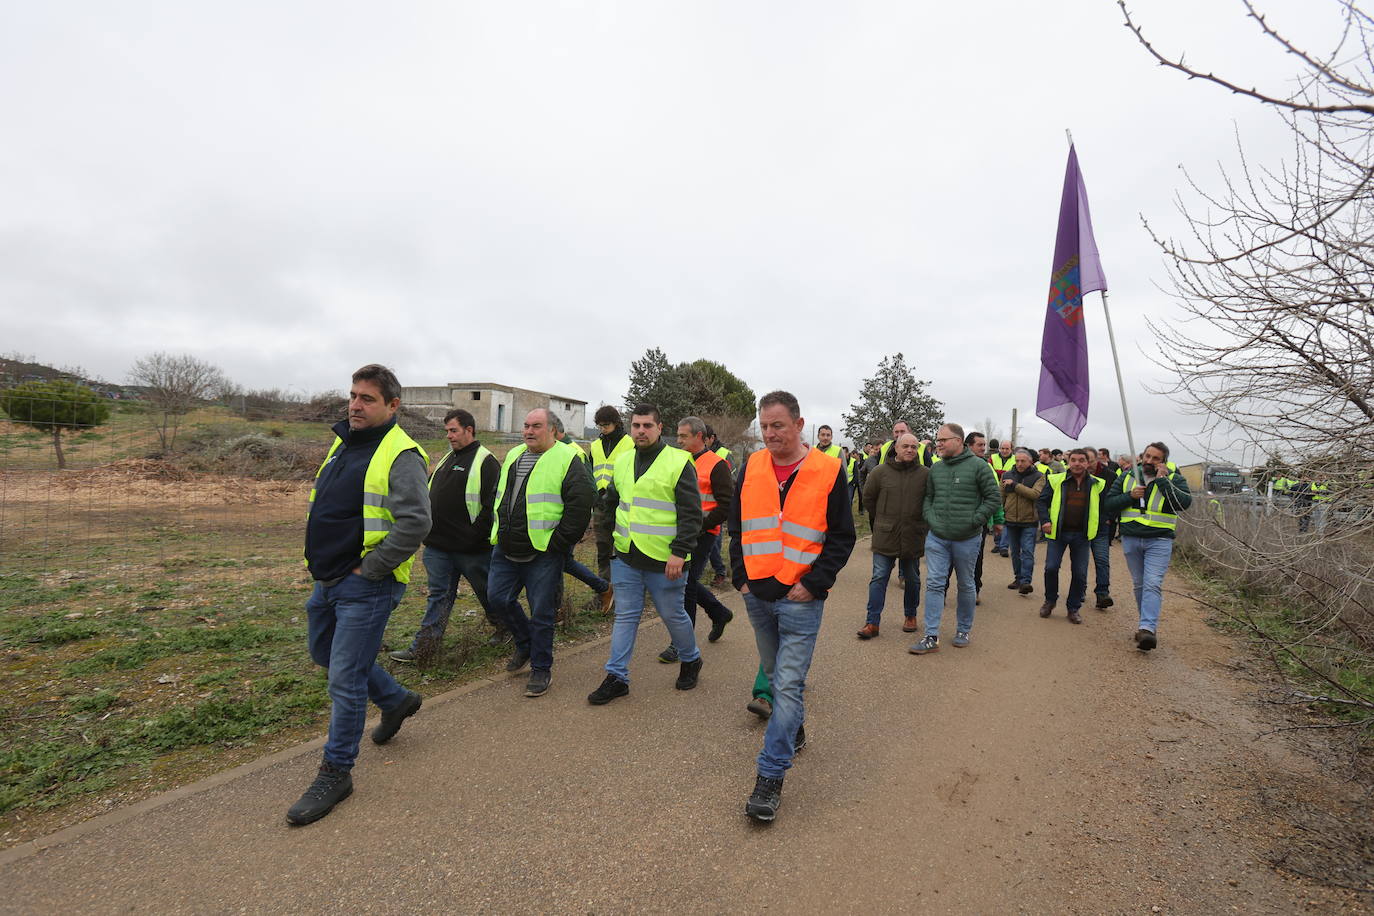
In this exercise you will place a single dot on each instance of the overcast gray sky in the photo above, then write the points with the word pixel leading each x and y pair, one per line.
pixel 535 193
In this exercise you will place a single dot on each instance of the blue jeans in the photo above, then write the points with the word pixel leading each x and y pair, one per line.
pixel 344 627
pixel 877 586
pixel 630 584
pixel 1079 550
pixel 584 575
pixel 1003 540
pixel 1102 560
pixel 717 564
pixel 1021 540
pixel 943 558
pixel 542 579
pixel 1148 561
pixel 785 632
pixel 443 569
pixel 696 593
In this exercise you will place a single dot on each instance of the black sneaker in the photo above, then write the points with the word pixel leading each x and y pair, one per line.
pixel 765 800
pixel 520 659
pixel 1145 640
pixel 800 742
pixel 538 684
pixel 331 786
pixel 392 718
pixel 1104 602
pixel 498 638
pixel 718 626
pixel 610 688
pixel 669 655
pixel 1026 589
pixel 688 675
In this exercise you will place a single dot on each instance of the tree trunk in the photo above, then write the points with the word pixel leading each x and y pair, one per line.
pixel 57 445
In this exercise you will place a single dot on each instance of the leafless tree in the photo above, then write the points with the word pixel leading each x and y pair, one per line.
pixel 174 384
pixel 1275 273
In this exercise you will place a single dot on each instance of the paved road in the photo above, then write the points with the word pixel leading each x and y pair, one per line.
pixel 1034 771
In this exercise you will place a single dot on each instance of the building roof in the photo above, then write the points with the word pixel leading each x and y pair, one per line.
pixel 493 386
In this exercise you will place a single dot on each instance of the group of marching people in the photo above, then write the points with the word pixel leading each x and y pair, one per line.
pixel 1075 503
pixel 658 509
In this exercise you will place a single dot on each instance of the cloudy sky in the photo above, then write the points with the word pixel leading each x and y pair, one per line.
pixel 535 193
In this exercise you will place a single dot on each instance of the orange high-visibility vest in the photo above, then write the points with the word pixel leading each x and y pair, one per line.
pixel 780 539
pixel 706 463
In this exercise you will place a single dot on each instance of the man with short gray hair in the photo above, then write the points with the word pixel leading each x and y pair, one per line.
pixel 961 497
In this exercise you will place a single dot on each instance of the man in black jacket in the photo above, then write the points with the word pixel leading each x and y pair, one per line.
pixel 461 490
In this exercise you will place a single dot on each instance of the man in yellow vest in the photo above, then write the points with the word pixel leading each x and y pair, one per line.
pixel 368 512
pixel 544 502
pixel 791 532
pixel 606 448
pixel 1149 504
pixel 656 523
pixel 462 487
pixel 825 441
pixel 1002 460
pixel 1070 512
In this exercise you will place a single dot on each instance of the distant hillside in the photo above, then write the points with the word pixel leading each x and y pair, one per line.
pixel 16 370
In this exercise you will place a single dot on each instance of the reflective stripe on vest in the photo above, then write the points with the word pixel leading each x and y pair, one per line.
pixel 780 539
pixel 1057 504
pixel 647 513
pixel 706 463
pixel 377 517
pixel 543 491
pixel 603 465
pixel 472 495
pixel 1321 491
pixel 1154 515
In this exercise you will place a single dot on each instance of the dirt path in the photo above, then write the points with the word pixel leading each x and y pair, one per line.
pixel 1047 768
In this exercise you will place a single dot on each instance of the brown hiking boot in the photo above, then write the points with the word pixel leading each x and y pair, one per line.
pixel 1047 609
pixel 868 631
pixel 1074 617
pixel 910 625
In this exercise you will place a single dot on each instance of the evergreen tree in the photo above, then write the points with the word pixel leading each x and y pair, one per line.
pixel 893 393
pixel 54 407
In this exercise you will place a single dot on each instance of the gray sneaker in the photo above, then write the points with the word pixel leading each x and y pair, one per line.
pixel 403 655
pixel 538 684
pixel 929 644
pixel 960 639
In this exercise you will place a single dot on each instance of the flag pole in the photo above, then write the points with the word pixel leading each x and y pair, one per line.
pixel 1121 387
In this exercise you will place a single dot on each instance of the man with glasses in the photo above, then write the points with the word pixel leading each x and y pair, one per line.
pixel 961 497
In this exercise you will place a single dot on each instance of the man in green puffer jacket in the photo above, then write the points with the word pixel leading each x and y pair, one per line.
pixel 961 497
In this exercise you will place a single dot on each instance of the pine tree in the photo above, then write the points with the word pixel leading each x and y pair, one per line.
pixel 893 393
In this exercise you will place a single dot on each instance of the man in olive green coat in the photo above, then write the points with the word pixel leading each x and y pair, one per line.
pixel 893 494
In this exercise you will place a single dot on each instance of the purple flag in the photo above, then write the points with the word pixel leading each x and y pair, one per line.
pixel 1077 269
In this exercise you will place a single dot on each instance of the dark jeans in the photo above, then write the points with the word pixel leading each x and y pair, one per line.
pixel 1021 540
pixel 696 592
pixel 344 627
pixel 542 579
pixel 717 564
pixel 1080 550
pixel 584 575
pixel 443 569
pixel 910 568
pixel 1102 561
